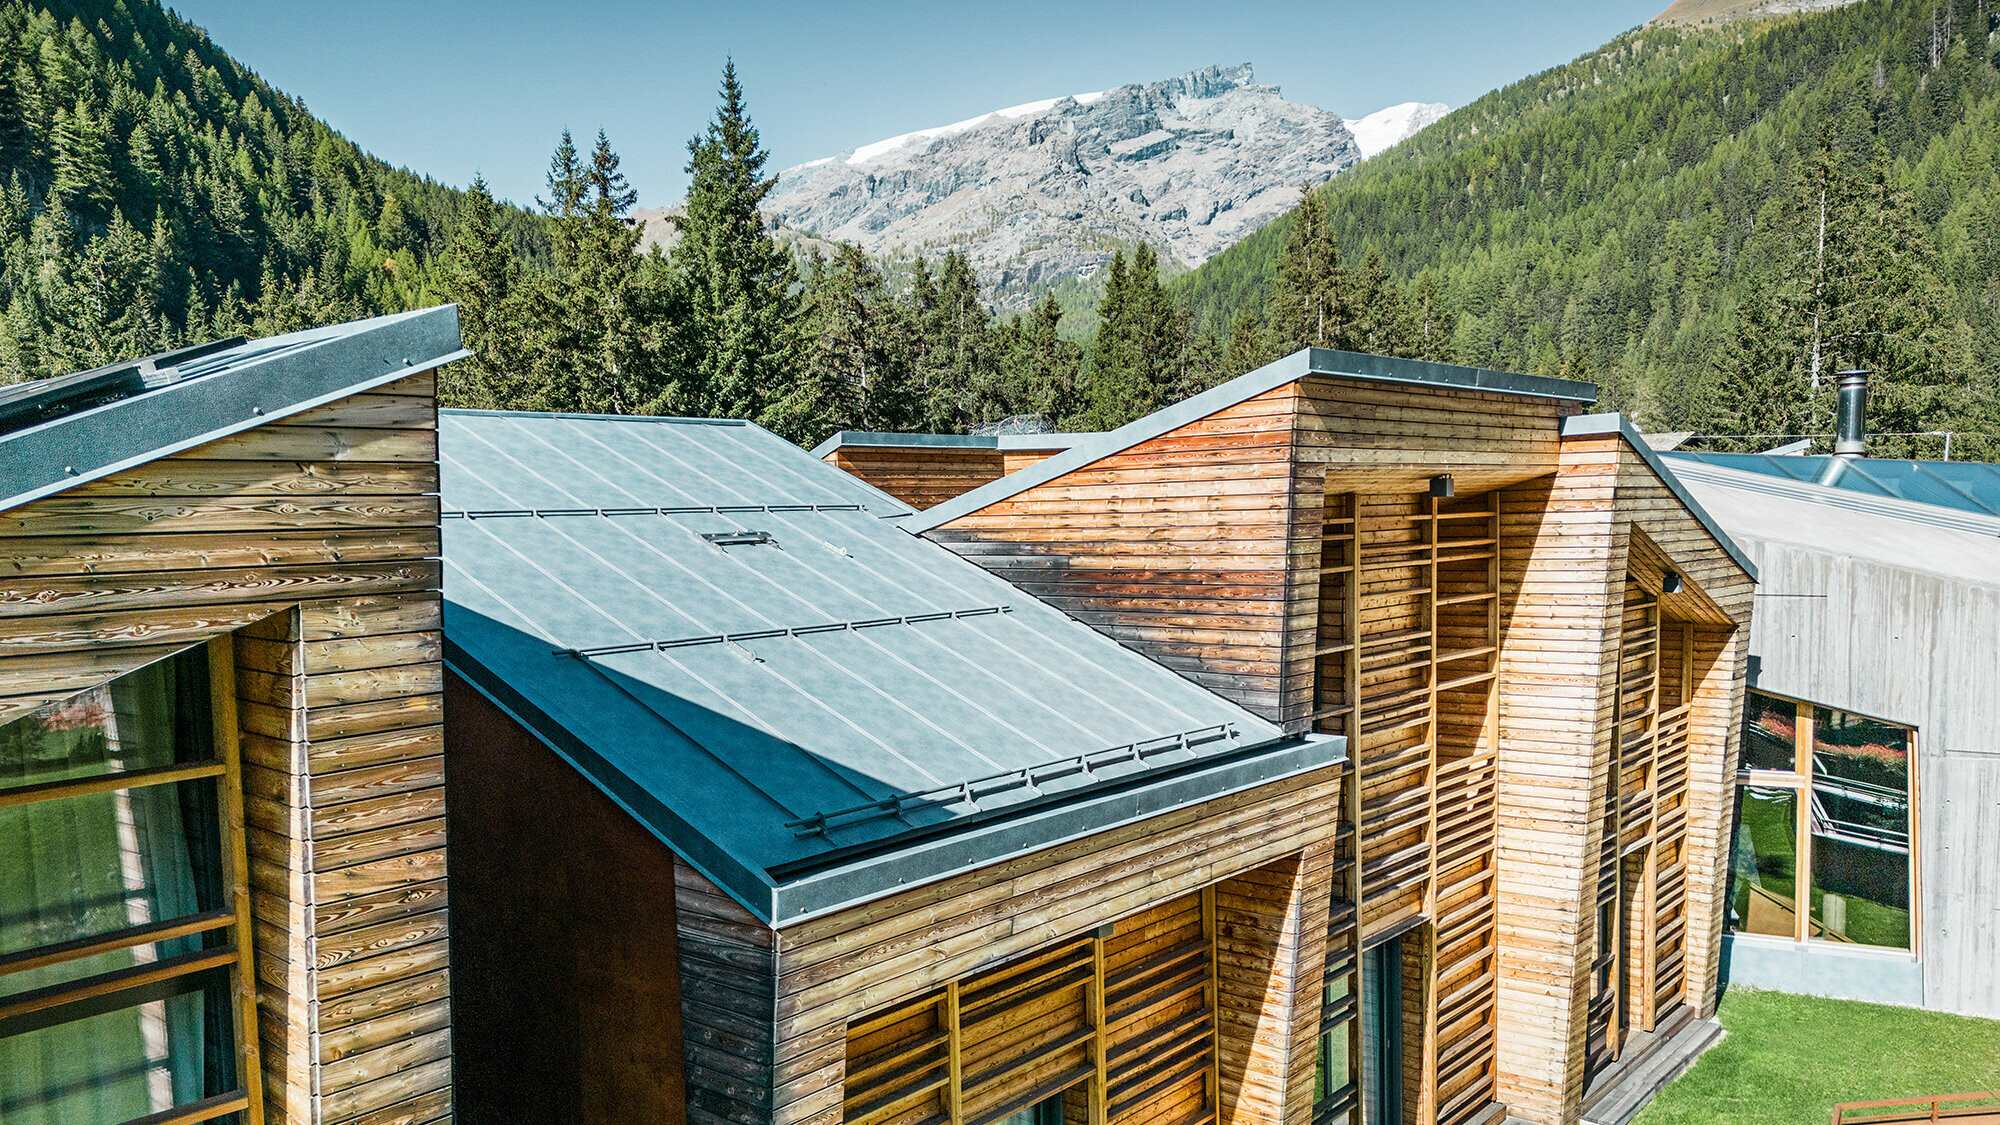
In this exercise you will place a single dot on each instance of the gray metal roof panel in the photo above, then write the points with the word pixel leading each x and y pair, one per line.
pixel 742 688
pixel 1596 425
pixel 1967 486
pixel 1710 469
pixel 1307 362
pixel 219 393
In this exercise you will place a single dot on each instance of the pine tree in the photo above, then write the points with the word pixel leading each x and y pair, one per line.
pixel 1433 322
pixel 740 341
pixel 1249 345
pixel 1137 362
pixel 83 179
pixel 482 276
pixel 1311 303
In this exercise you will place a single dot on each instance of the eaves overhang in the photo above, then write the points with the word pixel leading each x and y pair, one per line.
pixel 229 391
pixel 1610 425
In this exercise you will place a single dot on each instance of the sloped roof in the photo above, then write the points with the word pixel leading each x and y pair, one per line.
pixel 58 433
pixel 814 707
pixel 1299 365
pixel 1918 537
pixel 1604 425
pixel 1968 486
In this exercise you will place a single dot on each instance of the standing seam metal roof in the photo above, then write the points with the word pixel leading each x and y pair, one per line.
pixel 1968 486
pixel 738 642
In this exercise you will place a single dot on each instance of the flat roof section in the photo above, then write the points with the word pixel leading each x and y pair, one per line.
pixel 878 439
pixel 78 428
pixel 1305 363
pixel 738 642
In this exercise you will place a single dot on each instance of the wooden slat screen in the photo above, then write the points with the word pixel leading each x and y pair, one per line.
pixel 1136 1007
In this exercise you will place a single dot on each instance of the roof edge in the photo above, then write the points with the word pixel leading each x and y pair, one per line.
pixel 882 439
pixel 876 874
pixel 1301 364
pixel 1613 423
pixel 659 821
pixel 1812 492
pixel 236 398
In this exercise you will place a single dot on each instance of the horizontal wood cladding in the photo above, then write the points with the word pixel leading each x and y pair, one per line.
pixel 728 989
pixel 1200 547
pixel 922 477
pixel 1180 546
pixel 314 540
pixel 1562 574
pixel 844 969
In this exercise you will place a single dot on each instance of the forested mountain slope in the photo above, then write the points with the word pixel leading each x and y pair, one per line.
pixel 153 191
pixel 1624 216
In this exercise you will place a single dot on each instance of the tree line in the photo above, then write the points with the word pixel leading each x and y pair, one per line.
pixel 1650 215
pixel 154 192
pixel 728 324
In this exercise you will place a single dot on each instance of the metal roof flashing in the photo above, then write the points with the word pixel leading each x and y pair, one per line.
pixel 835 883
pixel 798 892
pixel 876 439
pixel 1302 364
pixel 738 642
pixel 1606 425
pixel 232 390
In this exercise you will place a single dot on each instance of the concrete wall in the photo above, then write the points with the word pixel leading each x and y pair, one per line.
pixel 1896 642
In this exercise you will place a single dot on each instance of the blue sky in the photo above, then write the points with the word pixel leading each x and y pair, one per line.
pixel 453 87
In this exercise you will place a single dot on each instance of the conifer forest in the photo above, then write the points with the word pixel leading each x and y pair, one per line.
pixel 1707 222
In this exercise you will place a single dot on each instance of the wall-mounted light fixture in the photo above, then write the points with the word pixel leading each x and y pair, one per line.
pixel 1671 583
pixel 1441 486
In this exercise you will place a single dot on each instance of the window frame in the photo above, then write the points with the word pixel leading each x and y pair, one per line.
pixel 73 1000
pixel 1799 779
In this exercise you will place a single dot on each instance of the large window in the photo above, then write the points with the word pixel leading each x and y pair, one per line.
pixel 1823 815
pixel 123 905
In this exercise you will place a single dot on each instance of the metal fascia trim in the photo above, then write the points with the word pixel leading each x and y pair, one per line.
pixel 704 855
pixel 1606 425
pixel 220 404
pixel 871 875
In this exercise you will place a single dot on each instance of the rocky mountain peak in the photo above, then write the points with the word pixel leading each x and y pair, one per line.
pixel 1041 192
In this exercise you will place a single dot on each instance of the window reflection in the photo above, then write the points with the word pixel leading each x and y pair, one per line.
pixel 1860 830
pixel 1770 733
pixel 1857 846
pixel 1765 866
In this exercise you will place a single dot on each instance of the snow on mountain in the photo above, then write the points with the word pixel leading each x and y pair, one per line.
pixel 1042 192
pixel 1386 128
pixel 868 153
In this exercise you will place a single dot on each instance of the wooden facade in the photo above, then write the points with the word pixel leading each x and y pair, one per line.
pixel 922 476
pixel 1537 729
pixel 1167 971
pixel 312 543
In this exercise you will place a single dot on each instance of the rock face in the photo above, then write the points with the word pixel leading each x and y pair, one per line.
pixel 1044 192
pixel 1725 11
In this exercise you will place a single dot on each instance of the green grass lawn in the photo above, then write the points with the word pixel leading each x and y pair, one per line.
pixel 1788 1059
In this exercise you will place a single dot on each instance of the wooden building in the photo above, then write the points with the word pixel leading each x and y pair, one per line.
pixel 926 469
pixel 1532 638
pixel 765 810
pixel 222 869
pixel 1869 793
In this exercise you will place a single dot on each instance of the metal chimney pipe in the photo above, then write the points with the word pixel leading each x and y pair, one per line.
pixel 1850 431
